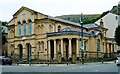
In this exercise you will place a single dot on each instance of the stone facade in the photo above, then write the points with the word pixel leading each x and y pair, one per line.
pixel 53 38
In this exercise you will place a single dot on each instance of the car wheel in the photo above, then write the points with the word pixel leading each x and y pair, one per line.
pixel 3 63
pixel 10 63
pixel 118 64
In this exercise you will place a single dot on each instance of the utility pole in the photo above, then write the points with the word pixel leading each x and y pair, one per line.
pixel 82 45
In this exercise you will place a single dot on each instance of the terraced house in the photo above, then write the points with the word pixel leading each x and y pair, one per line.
pixel 41 37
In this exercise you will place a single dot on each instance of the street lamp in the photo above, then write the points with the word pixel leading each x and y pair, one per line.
pixel 29 50
pixel 82 47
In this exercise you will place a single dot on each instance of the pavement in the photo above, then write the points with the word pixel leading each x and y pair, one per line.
pixel 87 67
pixel 108 62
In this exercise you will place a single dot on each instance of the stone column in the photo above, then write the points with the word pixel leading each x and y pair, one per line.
pixel 62 47
pixel 70 48
pixel 49 49
pixel 54 48
pixel 77 47
pixel 108 49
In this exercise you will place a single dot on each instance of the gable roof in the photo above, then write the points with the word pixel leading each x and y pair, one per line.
pixel 23 7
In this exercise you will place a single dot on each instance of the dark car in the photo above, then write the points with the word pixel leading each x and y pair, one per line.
pixel 118 60
pixel 5 60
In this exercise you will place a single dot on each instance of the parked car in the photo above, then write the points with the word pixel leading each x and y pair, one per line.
pixel 118 60
pixel 5 60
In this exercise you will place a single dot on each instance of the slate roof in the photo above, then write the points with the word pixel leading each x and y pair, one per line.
pixel 96 32
pixel 64 21
pixel 70 31
pixel 92 25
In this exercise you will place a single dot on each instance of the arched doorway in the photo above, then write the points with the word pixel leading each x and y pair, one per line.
pixel 20 47
pixel 52 49
pixel 29 51
pixel 98 47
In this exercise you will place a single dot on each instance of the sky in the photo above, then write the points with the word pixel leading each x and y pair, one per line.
pixel 56 7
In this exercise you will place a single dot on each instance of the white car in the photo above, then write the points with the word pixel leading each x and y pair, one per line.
pixel 118 60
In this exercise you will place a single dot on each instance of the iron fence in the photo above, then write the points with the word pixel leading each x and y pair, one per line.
pixel 76 58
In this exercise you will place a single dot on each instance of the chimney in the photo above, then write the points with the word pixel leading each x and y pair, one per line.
pixel 101 23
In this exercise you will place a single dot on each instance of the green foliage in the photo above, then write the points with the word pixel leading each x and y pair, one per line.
pixel 4 39
pixel 114 10
pixel 88 18
pixel 76 18
pixel 4 23
pixel 117 35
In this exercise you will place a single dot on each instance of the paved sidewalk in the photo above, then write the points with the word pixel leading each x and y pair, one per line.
pixel 107 62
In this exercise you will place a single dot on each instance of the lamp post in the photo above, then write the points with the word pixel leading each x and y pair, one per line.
pixel 29 53
pixel 82 47
pixel 29 49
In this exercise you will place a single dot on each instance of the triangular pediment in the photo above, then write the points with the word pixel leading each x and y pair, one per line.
pixel 21 9
pixel 27 9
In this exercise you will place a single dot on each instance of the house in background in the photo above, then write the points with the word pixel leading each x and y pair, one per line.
pixel 110 21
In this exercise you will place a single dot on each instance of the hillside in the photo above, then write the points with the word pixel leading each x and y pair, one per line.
pixel 88 18
pixel 75 18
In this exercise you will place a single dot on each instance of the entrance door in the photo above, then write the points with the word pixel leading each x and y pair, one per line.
pixel 52 49
pixel 29 52
pixel 21 52
pixel 66 51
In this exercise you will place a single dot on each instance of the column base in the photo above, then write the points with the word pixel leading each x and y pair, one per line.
pixel 77 58
pixel 63 58
pixel 70 59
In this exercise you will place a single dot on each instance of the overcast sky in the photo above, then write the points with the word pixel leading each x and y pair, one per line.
pixel 56 7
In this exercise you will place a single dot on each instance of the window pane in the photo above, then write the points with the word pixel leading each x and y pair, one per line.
pixel 30 29
pixel 85 46
pixel 98 45
pixel 19 30
pixel 42 46
pixel 24 29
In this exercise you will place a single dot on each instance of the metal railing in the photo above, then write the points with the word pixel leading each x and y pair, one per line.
pixel 45 59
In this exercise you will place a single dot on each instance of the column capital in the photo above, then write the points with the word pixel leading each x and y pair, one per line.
pixel 78 39
pixel 70 38
pixel 61 38
pixel 48 40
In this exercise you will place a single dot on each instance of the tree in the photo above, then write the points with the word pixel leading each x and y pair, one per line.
pixel 4 39
pixel 117 35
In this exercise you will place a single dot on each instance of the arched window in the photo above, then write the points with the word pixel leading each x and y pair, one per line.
pixel 42 46
pixel 98 45
pixel 39 45
pixel 24 22
pixel 19 29
pixel 30 27
pixel 113 48
pixel 11 33
pixel 59 27
pixel 85 45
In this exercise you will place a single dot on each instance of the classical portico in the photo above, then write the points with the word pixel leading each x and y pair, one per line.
pixel 64 46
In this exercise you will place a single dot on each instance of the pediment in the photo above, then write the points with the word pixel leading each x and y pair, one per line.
pixel 25 12
pixel 23 8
